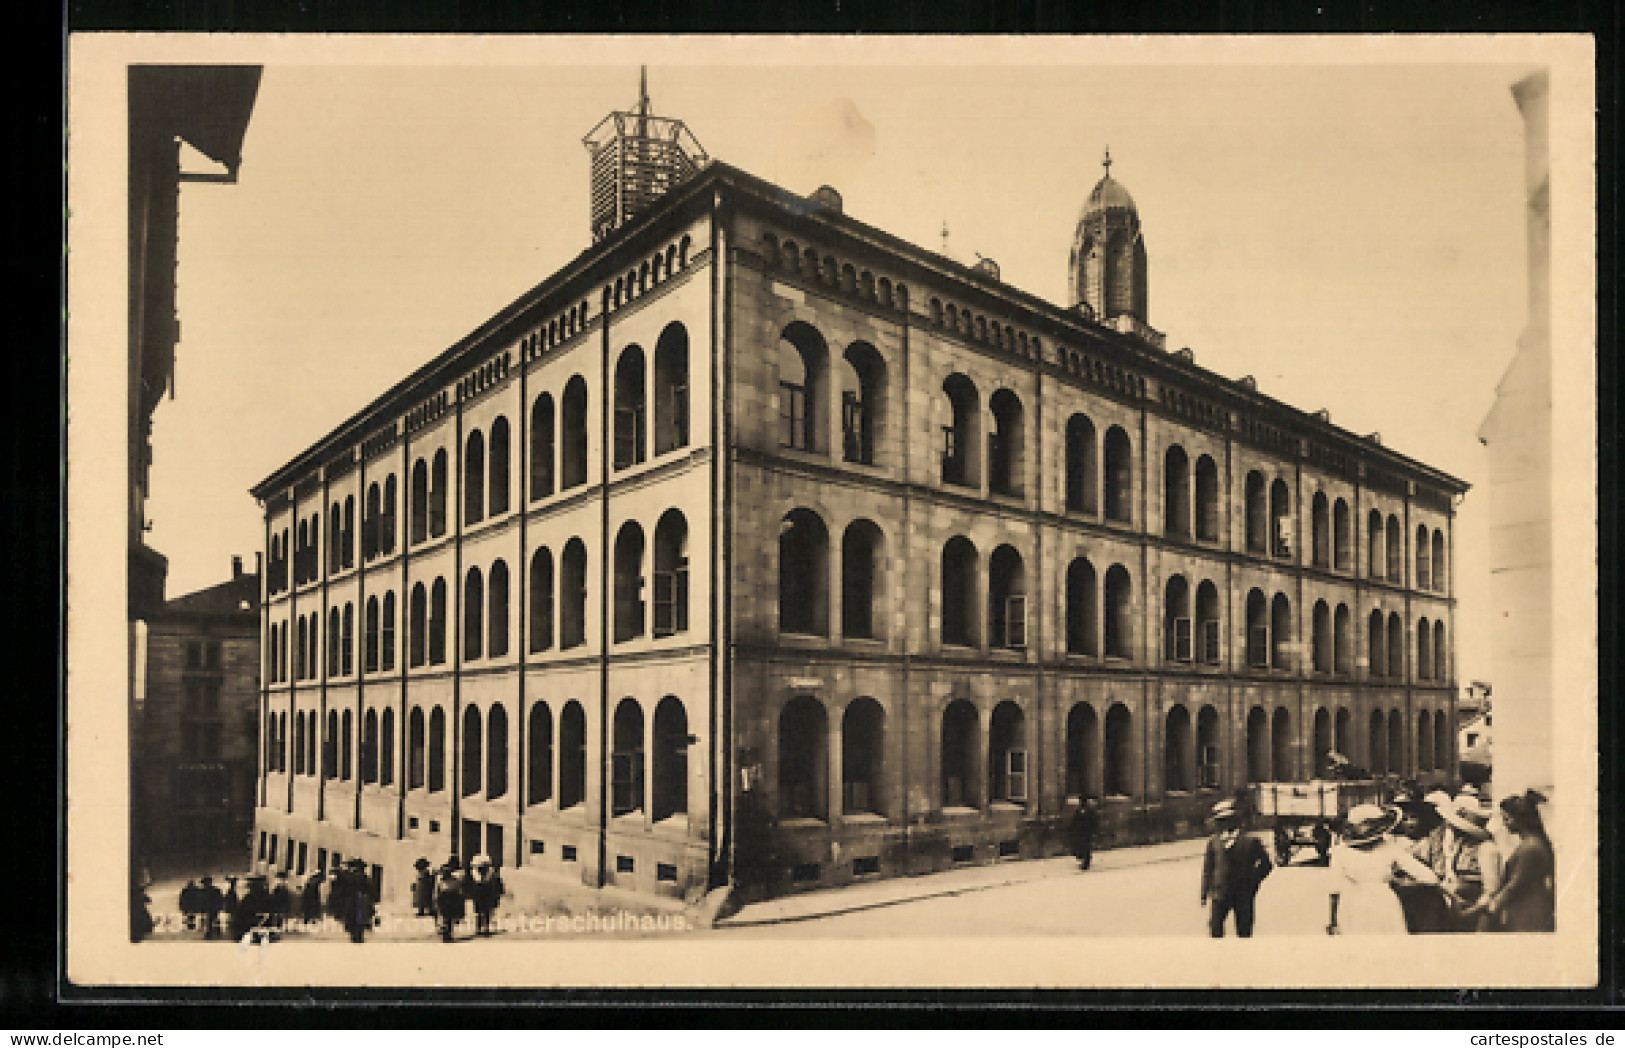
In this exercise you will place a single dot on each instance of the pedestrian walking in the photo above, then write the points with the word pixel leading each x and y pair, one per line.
pixel 1085 825
pixel 232 898
pixel 352 900
pixel 253 910
pixel 210 903
pixel 449 903
pixel 1364 867
pixel 484 888
pixel 1526 898
pixel 310 908
pixel 281 902
pixel 188 904
pixel 1233 867
pixel 1472 863
pixel 423 888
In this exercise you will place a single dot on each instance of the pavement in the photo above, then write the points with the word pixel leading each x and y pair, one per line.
pixel 895 891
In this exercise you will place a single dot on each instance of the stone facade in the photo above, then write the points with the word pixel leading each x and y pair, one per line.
pixel 902 585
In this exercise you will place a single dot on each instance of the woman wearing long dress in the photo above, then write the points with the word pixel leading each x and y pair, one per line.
pixel 1363 865
pixel 1525 900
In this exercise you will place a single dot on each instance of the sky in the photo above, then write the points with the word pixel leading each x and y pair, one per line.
pixel 1350 235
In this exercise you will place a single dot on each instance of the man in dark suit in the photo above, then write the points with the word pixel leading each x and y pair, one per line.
pixel 1233 867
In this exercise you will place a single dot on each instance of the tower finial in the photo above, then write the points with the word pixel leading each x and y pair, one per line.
pixel 1107 162
pixel 643 90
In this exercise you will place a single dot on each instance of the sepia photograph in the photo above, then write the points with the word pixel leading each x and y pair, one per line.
pixel 813 511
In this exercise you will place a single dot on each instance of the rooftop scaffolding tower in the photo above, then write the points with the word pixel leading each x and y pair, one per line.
pixel 636 159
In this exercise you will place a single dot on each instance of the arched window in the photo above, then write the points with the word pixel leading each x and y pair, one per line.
pixel 387 639
pixel 629 582
pixel 474 478
pixel 671 389
pixel 803 759
pixel 1396 646
pixel 1176 493
pixel 498 500
pixel 1323 743
pixel 541 599
pixel 573 596
pixel 670 760
pixel 626 759
pixel 1006 453
pixel 671 574
pixel 1119 456
pixel 335 539
pixel 1377 646
pixel 1207 748
pixel 961 737
pixel 420 501
pixel 386 530
pixel 370 637
pixel 961 432
pixel 572 755
pixel 539 765
pixel 1281 762
pixel 315 648
pixel 416 748
pixel 1177 755
pixel 497 600
pixel 1342 640
pixel 1209 633
pixel 803 364
pixel 1119 637
pixel 1258 745
pixel 1377 744
pixel 299 743
pixel 863 733
pixel 1082 475
pixel 1343 733
pixel 1007 599
pixel 860 561
pixel 1424 649
pixel 541 447
pixel 371 522
pixel 437 495
pixel 1374 533
pixel 1119 752
pixel 437 622
pixel 347 641
pixel 630 410
pixel 958 592
pixel 386 749
pixel 863 389
pixel 1321 638
pixel 573 434
pixel 1207 500
pixel 1396 550
pixel 1007 774
pixel 1396 742
pixel 330 747
pixel 1178 643
pixel 1424 741
pixel 1320 529
pixel 1082 633
pixel 1440 575
pixel 333 641
pixel 1424 577
pixel 1281 530
pixel 1258 630
pixel 1342 548
pixel 369 747
pixel 1441 657
pixel 1257 514
pixel 803 574
pixel 1442 738
pixel 496 753
pixel 472 767
pixel 1082 745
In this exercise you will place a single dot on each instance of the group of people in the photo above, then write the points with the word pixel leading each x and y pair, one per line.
pixel 346 895
pixel 1423 863
pixel 447 894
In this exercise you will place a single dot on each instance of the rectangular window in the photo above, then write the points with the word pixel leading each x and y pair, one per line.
pixel 568 853
pixel 665 871
pixel 793 416
pixel 1210 642
pixel 628 437
pixel 538 847
pixel 1015 622
pixel 855 441
pixel 671 600
pixel 953 459
pixel 1258 647
pixel 1283 536
pixel 865 864
pixel 1179 641
pixel 627 782
pixel 194 655
pixel 1210 768
pixel 1015 775
pixel 963 853
pixel 624 864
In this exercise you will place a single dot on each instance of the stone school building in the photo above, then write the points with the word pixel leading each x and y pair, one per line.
pixel 759 544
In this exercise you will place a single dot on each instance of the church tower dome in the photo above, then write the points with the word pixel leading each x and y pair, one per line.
pixel 1107 273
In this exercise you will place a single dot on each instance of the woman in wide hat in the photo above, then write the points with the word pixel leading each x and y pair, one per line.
pixel 1366 861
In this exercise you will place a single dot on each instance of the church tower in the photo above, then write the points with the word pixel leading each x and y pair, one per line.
pixel 1107 273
